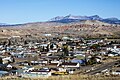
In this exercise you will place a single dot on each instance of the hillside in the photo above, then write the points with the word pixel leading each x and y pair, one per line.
pixel 84 28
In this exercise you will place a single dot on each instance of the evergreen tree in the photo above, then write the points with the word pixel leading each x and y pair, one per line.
pixel 1 61
pixel 65 50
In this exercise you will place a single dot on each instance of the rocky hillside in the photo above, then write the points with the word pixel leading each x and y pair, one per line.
pixel 91 26
pixel 88 28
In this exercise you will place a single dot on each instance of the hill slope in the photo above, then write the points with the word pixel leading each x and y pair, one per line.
pixel 87 26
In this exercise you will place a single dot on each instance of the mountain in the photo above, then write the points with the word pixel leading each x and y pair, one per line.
pixel 112 20
pixel 10 25
pixel 71 18
pixel 95 17
pixel 3 24
pixel 74 25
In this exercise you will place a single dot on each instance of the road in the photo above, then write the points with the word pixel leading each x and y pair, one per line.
pixel 102 67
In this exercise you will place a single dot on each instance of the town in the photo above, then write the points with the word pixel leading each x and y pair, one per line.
pixel 58 55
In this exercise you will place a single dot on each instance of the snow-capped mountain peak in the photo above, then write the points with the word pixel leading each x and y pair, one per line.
pixel 95 17
pixel 71 18
pixel 57 18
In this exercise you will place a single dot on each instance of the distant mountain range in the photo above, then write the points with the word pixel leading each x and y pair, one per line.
pixel 61 20
pixel 71 18
pixel 7 25
pixel 2 24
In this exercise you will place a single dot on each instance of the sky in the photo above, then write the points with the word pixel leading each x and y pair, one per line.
pixel 24 11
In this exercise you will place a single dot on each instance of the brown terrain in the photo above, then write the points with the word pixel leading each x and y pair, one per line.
pixel 86 28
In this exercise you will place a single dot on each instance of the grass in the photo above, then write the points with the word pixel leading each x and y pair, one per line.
pixel 68 77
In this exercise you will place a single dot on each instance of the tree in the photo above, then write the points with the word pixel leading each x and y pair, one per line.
pixel 51 46
pixel 95 46
pixel 13 59
pixel 65 50
pixel 1 61
pixel 29 58
pixel 47 48
pixel 25 42
pixel 35 58
pixel 9 43
pixel 92 60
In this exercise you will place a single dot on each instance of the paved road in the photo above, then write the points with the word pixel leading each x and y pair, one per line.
pixel 102 67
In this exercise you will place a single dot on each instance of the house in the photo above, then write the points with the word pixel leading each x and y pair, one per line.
pixel 48 54
pixel 53 51
pixel 4 73
pixel 18 54
pixel 3 66
pixel 9 66
pixel 38 74
pixel 39 62
pixel 53 64
pixel 55 61
pixel 47 34
pixel 81 61
pixel 116 72
pixel 98 59
pixel 70 65
pixel 7 60
pixel 25 63
pixel 43 62
pixel 34 62
pixel 28 68
pixel 113 54
pixel 45 72
pixel 58 71
pixel 65 38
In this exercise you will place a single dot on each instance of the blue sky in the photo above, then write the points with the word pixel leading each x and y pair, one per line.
pixel 23 11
